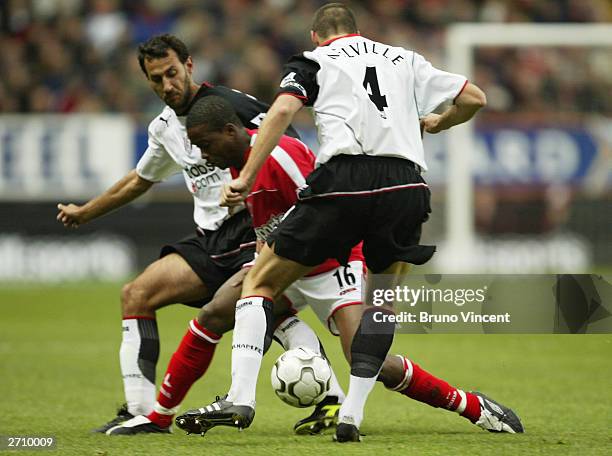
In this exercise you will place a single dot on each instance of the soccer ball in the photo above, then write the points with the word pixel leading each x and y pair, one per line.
pixel 300 377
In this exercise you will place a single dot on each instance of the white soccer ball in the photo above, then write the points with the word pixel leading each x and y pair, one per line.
pixel 300 377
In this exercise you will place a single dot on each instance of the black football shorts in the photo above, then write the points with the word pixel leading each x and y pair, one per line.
pixel 381 201
pixel 215 256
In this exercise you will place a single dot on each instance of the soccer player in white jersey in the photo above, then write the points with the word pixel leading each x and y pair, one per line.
pixel 369 100
pixel 190 271
pixel 213 125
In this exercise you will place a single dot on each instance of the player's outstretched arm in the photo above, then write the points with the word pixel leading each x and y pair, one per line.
pixel 122 192
pixel 275 123
pixel 469 101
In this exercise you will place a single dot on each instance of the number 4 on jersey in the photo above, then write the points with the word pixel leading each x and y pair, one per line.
pixel 370 84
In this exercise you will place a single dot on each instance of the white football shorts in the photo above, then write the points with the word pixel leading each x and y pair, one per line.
pixel 328 292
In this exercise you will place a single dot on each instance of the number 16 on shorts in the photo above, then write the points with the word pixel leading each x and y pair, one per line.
pixel 345 276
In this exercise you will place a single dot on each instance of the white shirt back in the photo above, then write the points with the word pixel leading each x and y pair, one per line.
pixel 171 152
pixel 368 97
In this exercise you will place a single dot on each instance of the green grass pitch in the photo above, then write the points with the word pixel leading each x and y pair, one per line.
pixel 60 376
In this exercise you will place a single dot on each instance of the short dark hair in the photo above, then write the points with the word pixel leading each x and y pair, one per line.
pixel 333 19
pixel 157 47
pixel 214 111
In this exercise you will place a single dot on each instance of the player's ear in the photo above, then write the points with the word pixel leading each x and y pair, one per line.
pixel 314 37
pixel 189 65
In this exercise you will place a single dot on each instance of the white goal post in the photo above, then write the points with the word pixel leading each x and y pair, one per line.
pixel 461 39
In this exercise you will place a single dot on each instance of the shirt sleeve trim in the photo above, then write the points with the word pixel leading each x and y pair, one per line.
pixel 461 91
pixel 302 98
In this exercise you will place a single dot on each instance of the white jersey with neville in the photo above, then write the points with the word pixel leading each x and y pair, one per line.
pixel 368 96
pixel 171 152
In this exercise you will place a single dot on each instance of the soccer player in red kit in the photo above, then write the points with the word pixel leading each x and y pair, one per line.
pixel 213 126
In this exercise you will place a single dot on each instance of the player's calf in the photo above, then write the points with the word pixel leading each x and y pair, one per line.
pixel 215 318
pixel 188 363
pixel 408 378
pixel 138 356
pixel 368 351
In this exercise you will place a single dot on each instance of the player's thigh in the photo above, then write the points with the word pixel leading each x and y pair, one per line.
pixel 272 274
pixel 218 315
pixel 335 296
pixel 389 279
pixel 170 280
pixel 398 268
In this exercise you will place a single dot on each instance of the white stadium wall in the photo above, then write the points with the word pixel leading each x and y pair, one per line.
pixel 46 157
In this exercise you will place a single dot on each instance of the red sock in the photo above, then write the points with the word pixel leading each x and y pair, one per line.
pixel 188 364
pixel 424 387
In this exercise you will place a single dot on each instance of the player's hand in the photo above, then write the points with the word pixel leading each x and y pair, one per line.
pixel 70 215
pixel 235 192
pixel 431 124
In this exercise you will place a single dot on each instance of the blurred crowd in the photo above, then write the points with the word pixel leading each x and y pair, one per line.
pixel 80 55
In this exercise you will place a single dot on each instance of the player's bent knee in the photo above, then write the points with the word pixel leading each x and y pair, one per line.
pixel 212 319
pixel 257 282
pixel 134 300
pixel 392 372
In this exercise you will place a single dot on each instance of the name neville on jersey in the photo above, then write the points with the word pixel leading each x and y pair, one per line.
pixel 356 49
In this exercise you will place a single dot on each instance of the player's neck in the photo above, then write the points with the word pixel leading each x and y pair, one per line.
pixel 193 91
pixel 247 150
pixel 329 39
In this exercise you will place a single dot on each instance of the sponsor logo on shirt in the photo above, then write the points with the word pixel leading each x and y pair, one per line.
pixel 210 180
pixel 202 175
pixel 262 232
pixel 199 169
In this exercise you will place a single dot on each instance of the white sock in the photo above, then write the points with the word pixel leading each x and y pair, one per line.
pixel 247 350
pixel 352 409
pixel 139 386
pixel 335 389
pixel 293 333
